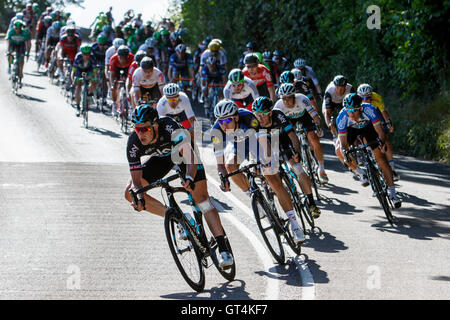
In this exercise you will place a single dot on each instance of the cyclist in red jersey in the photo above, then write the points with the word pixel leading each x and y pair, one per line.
pixel 260 75
pixel 133 67
pixel 122 60
pixel 67 47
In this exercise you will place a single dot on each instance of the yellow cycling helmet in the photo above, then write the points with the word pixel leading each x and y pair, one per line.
pixel 214 46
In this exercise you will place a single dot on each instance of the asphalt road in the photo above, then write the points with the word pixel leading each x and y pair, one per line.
pixel 66 231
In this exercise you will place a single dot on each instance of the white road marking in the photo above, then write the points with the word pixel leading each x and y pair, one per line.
pixel 308 288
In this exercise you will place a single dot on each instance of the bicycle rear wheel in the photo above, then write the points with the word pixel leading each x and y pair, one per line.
pixel 184 252
pixel 381 195
pixel 267 227
pixel 85 107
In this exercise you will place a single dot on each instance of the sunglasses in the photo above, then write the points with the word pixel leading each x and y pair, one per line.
pixel 172 99
pixel 237 84
pixel 353 110
pixel 226 120
pixel 287 98
pixel 252 66
pixel 260 114
pixel 366 98
pixel 143 129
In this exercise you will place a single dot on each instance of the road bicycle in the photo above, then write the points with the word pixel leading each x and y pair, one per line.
pixel 84 98
pixel 363 153
pixel 190 255
pixel 101 89
pixel 271 226
pixel 213 98
pixel 15 79
pixel 124 106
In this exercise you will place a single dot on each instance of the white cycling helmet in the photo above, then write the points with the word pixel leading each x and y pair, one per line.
pixel 171 90
pixel 299 63
pixel 286 89
pixel 297 73
pixel 150 43
pixel 364 90
pixel 117 42
pixel 225 108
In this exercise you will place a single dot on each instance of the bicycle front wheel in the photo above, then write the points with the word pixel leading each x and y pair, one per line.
pixel 228 273
pixel 267 227
pixel 185 252
pixel 381 195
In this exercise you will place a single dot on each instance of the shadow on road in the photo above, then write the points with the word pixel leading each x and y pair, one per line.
pixel 33 86
pixel 105 132
pixel 234 290
pixel 337 206
pixel 24 96
pixel 324 242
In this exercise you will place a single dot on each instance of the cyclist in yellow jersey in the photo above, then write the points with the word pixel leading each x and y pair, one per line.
pixel 366 92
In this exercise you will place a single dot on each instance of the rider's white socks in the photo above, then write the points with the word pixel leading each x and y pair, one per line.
pixel 291 215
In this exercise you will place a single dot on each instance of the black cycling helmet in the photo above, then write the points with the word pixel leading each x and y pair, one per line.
pixel 145 113
pixel 267 55
pixel 340 80
pixel 139 56
pixel 251 58
pixel 236 76
pixel 287 77
pixel 262 104
pixel 351 101
pixel 250 45
pixel 147 63
pixel 123 51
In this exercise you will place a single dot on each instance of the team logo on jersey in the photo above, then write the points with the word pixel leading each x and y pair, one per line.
pixel 133 151
pixel 254 123
pixel 215 140
pixel 169 128
pixel 341 124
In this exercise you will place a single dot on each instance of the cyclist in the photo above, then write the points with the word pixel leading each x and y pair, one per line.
pixel 109 33
pixel 99 51
pixel 148 30
pixel 19 41
pixel 307 71
pixel 67 47
pixel 332 104
pixel 214 49
pixel 84 62
pixel 41 31
pixel 300 85
pixel 136 40
pixel 299 109
pixel 51 40
pixel 212 73
pixel 122 60
pixel 176 104
pixel 151 51
pixel 159 138
pixel 273 119
pixel 240 89
pixel 279 65
pixel 260 75
pixel 367 94
pixel 231 119
pixel 181 64
pixel 360 119
pixel 147 81
pixel 250 49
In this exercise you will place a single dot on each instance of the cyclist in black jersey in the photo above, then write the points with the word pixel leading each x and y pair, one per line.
pixel 166 142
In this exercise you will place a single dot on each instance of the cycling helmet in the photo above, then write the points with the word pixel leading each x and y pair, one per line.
pixel 211 60
pixel 164 33
pixel 86 48
pixel 277 53
pixel 139 32
pixel 236 75
pixel 117 42
pixel 287 77
pixel 139 56
pixel 144 113
pixel 267 55
pixel 70 31
pixel 19 23
pixel 299 63
pixel 213 46
pixel 171 90
pixel 174 36
pixel 286 89
pixel 19 15
pixel 218 41
pixel 107 29
pixel 56 25
pixel 251 58
pixel 297 73
pixel 150 43
pixel 340 80
pixel 364 90
pixel 123 51
pixel 47 20
pixel 147 63
pixel 262 104
pixel 181 48
pixel 102 39
pixel 250 45
pixel 225 108
pixel 352 100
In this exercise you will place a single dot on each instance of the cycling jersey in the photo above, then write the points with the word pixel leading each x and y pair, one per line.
pixel 115 64
pixel 305 86
pixel 246 122
pixel 331 100
pixel 108 55
pixel 368 116
pixel 214 77
pixel 99 53
pixel 156 56
pixel 52 36
pixel 134 66
pixel 163 147
pixel 182 112
pixel 377 101
pixel 18 38
pixel 262 79
pixel 248 94
pixel 139 80
pixel 79 66
pixel 303 111
pixel 179 66
pixel 70 48
pixel 309 72
pixel 283 124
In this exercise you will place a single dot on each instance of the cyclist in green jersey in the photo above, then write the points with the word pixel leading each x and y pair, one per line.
pixel 19 41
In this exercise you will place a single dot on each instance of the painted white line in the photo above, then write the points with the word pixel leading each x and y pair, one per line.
pixel 272 290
